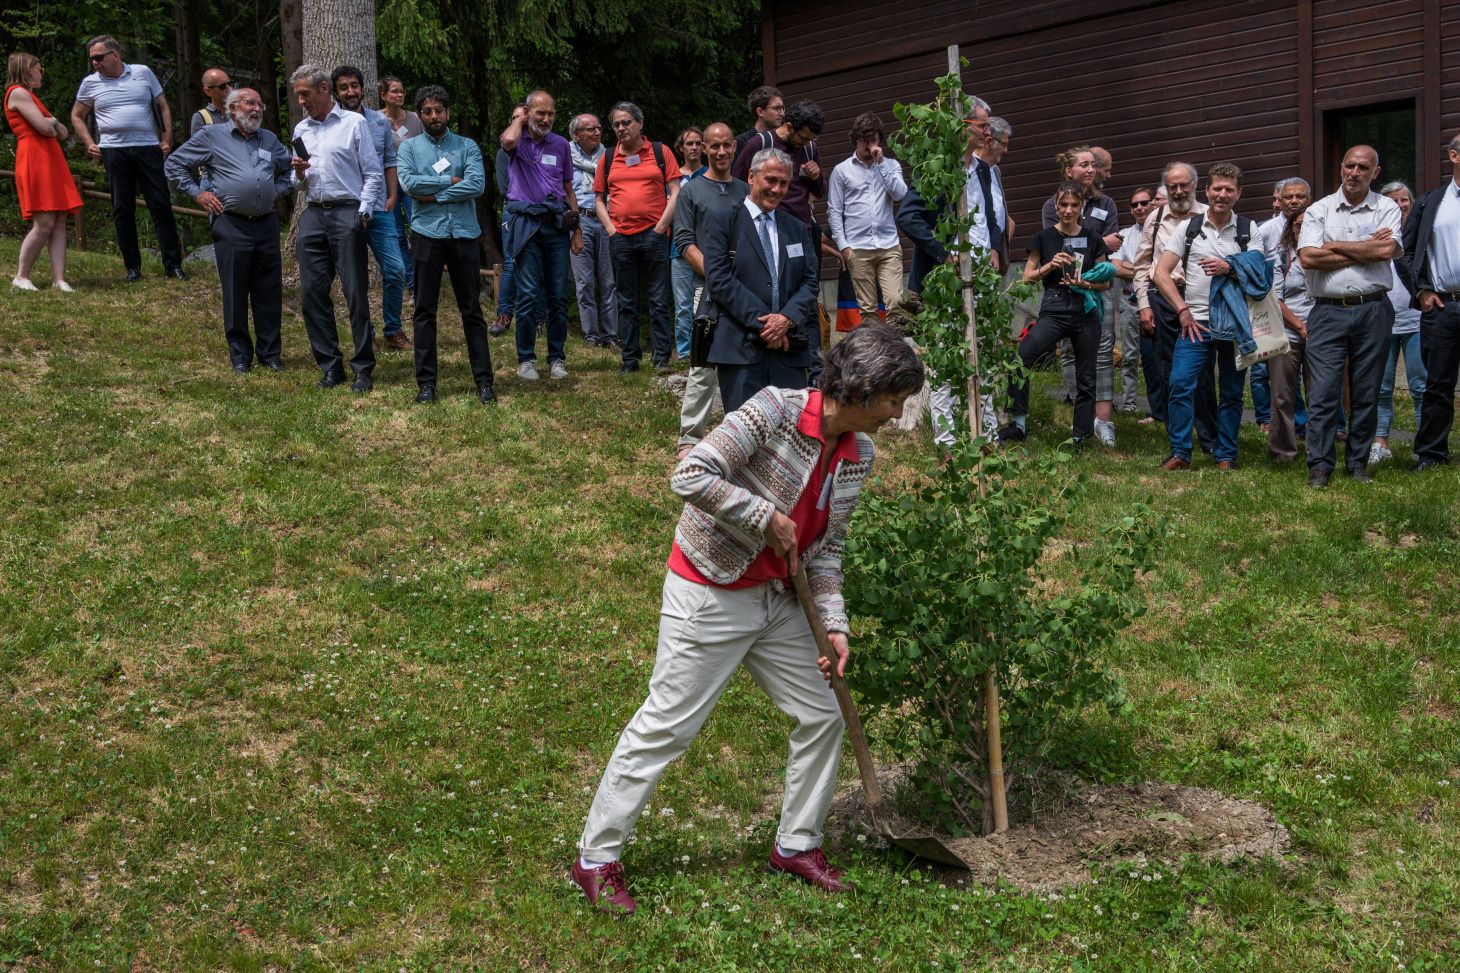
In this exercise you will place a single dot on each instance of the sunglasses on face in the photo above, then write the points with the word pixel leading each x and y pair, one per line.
pixel 96 58
pixel 622 124
pixel 220 87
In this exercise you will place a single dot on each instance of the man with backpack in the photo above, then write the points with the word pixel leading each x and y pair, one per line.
pixel 635 190
pixel 797 138
pixel 1201 246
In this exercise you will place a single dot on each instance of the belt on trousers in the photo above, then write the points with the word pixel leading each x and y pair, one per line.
pixel 1449 295
pixel 251 219
pixel 334 203
pixel 1354 301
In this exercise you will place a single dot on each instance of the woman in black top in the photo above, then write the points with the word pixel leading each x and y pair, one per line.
pixel 1058 255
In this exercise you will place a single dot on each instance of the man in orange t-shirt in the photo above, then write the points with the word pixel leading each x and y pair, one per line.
pixel 635 189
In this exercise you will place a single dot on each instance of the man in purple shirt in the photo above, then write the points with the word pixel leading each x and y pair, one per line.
pixel 540 230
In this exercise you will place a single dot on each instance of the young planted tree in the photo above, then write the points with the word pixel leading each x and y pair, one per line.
pixel 947 578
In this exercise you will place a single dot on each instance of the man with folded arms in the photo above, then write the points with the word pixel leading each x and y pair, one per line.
pixel 1347 243
pixel 248 168
pixel 444 174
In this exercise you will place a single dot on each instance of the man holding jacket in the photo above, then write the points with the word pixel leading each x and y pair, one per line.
pixel 761 268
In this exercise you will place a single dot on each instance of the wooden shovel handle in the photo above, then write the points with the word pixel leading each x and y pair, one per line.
pixel 865 766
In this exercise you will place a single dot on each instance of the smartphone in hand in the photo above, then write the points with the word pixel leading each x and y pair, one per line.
pixel 299 150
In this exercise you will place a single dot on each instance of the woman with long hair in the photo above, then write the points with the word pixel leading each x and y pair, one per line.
pixel 690 146
pixel 1284 373
pixel 1403 340
pixel 1060 256
pixel 42 178
pixel 404 124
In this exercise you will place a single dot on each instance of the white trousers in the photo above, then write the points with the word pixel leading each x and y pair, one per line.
pixel 704 634
pixel 699 402
pixel 942 405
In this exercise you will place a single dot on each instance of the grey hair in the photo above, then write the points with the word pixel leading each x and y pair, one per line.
pixel 634 111
pixel 1298 180
pixel 107 41
pixel 777 156
pixel 533 94
pixel 577 121
pixel 1184 165
pixel 1277 187
pixel 1395 186
pixel 234 96
pixel 311 74
pixel 999 128
pixel 977 104
pixel 1454 145
pixel 871 361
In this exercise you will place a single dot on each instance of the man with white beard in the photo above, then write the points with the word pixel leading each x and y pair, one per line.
pixel 248 168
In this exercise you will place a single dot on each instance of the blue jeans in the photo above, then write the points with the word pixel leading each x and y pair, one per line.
pixel 1261 392
pixel 642 257
pixel 1187 362
pixel 402 215
pixel 541 271
pixel 1414 370
pixel 684 304
pixel 385 244
pixel 507 289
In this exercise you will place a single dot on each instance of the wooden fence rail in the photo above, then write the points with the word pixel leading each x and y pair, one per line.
pixel 90 190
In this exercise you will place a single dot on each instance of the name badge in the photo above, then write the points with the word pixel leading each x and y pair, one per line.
pixel 549 160
pixel 402 131
pixel 1078 241
pixel 441 165
pixel 1365 230
pixel 1099 214
pixel 631 160
pixel 793 250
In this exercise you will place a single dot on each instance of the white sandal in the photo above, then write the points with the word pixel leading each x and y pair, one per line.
pixel 23 284
pixel 63 287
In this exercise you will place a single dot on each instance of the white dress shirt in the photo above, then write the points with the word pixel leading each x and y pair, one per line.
pixel 859 200
pixel 755 214
pixel 978 234
pixel 1334 219
pixel 1272 230
pixel 1443 253
pixel 1211 243
pixel 343 163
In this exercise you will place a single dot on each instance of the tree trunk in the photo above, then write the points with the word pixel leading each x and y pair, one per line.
pixel 265 13
pixel 189 69
pixel 291 28
pixel 342 32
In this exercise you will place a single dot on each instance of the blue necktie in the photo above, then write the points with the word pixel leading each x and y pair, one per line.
pixel 770 260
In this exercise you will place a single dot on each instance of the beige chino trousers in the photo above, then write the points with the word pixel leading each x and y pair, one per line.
pixel 704 634
pixel 870 269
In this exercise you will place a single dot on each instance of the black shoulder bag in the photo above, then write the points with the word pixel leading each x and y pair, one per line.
pixel 702 331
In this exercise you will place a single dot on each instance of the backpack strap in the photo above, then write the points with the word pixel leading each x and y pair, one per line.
pixel 1193 230
pixel 208 118
pixel 1244 233
pixel 606 164
pixel 766 141
pixel 658 148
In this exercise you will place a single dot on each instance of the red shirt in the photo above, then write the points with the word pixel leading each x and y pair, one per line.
pixel 636 194
pixel 810 515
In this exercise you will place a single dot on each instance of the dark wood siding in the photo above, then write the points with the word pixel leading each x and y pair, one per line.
pixel 1150 81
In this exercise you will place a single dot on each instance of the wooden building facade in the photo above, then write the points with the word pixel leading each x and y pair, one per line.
pixel 1279 87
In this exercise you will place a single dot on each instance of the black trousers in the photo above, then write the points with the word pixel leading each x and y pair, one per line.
pixel 1359 336
pixel 249 268
pixel 1055 323
pixel 333 242
pixel 739 382
pixel 128 169
pixel 1204 402
pixel 1439 348
pixel 461 259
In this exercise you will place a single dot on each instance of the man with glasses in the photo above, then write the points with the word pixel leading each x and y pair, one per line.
pixel 130 107
pixel 216 86
pixel 593 267
pixel 1133 353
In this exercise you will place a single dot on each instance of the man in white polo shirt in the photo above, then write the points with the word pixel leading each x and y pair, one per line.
pixel 1346 245
pixel 123 97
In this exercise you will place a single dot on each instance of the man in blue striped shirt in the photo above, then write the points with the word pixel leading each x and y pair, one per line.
pixel 443 173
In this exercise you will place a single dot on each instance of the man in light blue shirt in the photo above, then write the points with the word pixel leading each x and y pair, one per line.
pixel 444 174
pixel 349 88
pixel 597 309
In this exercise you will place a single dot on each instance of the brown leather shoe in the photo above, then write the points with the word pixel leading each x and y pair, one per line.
pixel 398 341
pixel 605 887
pixel 810 866
pixel 499 328
pixel 1175 463
pixel 1225 465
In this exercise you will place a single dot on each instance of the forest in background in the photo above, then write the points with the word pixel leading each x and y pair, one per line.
pixel 686 62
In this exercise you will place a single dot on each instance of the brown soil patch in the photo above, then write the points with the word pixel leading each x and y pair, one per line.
pixel 1107 825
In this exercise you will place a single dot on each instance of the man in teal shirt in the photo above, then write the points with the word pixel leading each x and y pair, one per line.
pixel 443 173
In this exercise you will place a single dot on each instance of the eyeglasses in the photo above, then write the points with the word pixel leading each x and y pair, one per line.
pixel 220 87
pixel 97 58
pixel 623 124
pixel 1140 205
pixel 590 128
pixel 430 112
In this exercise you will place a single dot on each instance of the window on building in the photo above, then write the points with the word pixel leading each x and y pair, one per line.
pixel 1388 127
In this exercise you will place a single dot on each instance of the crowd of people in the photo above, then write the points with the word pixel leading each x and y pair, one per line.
pixel 1361 279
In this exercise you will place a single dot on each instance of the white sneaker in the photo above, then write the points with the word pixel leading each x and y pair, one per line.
pixel 557 369
pixel 22 284
pixel 527 371
pixel 63 287
pixel 1378 453
pixel 1105 432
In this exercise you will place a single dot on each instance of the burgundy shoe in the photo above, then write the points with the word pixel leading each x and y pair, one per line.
pixel 504 321
pixel 810 866
pixel 605 887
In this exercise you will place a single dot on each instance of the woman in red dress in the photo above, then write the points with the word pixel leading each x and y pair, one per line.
pixel 42 178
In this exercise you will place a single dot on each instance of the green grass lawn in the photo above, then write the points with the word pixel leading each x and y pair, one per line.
pixel 310 680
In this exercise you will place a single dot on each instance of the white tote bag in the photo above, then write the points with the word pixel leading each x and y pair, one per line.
pixel 1266 317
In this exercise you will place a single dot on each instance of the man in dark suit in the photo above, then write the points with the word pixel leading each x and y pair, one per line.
pixel 916 219
pixel 761 269
pixel 1432 242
